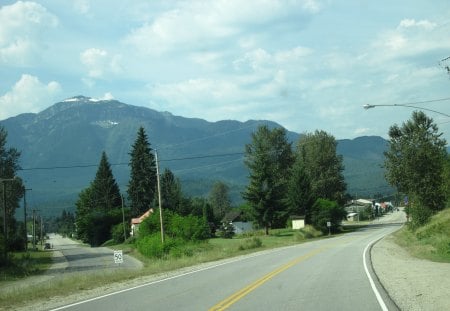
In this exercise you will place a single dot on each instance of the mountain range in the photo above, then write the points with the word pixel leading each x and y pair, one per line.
pixel 61 148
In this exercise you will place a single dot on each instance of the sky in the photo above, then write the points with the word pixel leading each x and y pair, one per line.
pixel 307 65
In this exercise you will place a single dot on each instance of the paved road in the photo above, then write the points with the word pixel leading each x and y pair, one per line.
pixel 71 256
pixel 327 275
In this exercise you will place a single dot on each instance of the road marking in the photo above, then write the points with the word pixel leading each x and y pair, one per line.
pixel 372 283
pixel 226 303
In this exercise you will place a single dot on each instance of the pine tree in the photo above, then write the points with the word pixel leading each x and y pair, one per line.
pixel 171 196
pixel 99 206
pixel 104 187
pixel 142 184
pixel 268 157
pixel 298 197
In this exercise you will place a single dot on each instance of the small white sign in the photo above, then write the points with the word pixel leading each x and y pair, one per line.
pixel 328 223
pixel 118 256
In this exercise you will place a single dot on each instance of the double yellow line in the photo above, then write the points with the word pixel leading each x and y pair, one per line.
pixel 226 303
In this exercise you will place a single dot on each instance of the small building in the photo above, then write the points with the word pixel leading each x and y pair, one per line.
pixel 352 216
pixel 234 218
pixel 135 222
pixel 298 222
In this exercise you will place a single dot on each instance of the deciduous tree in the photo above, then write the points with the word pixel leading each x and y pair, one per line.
pixel 323 166
pixel 415 162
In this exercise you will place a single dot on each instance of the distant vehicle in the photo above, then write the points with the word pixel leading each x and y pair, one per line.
pixel 47 246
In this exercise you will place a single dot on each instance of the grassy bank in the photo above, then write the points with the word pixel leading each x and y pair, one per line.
pixel 431 241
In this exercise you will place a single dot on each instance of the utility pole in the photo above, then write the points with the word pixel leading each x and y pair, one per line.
pixel 123 221
pixel 159 197
pixel 25 216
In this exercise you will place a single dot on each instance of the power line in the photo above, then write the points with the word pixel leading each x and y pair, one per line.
pixel 119 164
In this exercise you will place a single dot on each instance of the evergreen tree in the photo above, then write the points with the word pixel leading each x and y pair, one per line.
pixel 415 163
pixel 220 200
pixel 323 166
pixel 142 184
pixel 171 196
pixel 268 157
pixel 104 187
pixel 99 206
pixel 9 164
pixel 298 197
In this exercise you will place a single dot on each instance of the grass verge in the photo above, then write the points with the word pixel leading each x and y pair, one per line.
pixel 431 241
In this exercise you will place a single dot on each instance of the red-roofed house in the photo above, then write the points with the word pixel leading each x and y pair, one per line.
pixel 135 222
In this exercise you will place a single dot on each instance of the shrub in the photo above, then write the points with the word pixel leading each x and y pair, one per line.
pixel 325 210
pixel 253 242
pixel 117 233
pixel 226 231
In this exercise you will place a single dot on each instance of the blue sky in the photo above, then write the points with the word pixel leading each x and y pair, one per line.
pixel 307 64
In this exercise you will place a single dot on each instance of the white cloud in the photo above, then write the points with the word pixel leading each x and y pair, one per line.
pixel 99 63
pixel 28 95
pixel 410 23
pixel 82 6
pixel 23 25
pixel 198 24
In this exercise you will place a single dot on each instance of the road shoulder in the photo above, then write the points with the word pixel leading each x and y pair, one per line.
pixel 414 284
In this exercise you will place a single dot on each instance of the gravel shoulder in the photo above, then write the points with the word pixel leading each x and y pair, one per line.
pixel 414 284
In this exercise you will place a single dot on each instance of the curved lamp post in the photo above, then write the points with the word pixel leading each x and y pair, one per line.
pixel 411 105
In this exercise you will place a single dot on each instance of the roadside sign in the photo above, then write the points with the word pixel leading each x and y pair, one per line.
pixel 328 224
pixel 118 256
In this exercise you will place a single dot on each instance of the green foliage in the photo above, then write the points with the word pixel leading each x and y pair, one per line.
pixel 430 241
pixel 308 232
pixel 65 224
pixel 251 243
pixel 298 197
pixel 117 232
pixel 142 184
pixel 268 158
pixel 176 226
pixel 99 207
pixel 325 210
pixel 323 166
pixel 415 165
pixel 220 200
pixel 151 246
pixel 171 196
pixel 226 231
pixel 11 190
pixel 188 228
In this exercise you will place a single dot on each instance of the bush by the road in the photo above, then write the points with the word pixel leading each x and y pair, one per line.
pixel 324 211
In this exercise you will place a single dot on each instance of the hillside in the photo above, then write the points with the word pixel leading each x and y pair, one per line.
pixel 61 148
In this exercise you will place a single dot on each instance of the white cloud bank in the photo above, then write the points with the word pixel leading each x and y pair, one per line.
pixel 28 95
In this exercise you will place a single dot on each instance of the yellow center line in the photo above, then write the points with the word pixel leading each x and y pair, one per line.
pixel 226 303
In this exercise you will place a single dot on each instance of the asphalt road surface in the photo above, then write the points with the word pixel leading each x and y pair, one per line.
pixel 328 274
pixel 74 257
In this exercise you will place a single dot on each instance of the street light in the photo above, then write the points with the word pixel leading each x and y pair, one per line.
pixel 411 105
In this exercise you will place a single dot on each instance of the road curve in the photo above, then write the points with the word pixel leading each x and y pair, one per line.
pixel 326 274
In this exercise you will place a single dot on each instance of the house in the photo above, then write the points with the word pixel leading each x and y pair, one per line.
pixel 234 218
pixel 135 222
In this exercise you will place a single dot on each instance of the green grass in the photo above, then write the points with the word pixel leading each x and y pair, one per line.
pixel 431 241
pixel 23 264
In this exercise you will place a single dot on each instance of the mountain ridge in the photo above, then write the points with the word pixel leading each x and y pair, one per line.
pixel 73 133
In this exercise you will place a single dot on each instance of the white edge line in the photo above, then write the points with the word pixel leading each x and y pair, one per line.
pixel 372 283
